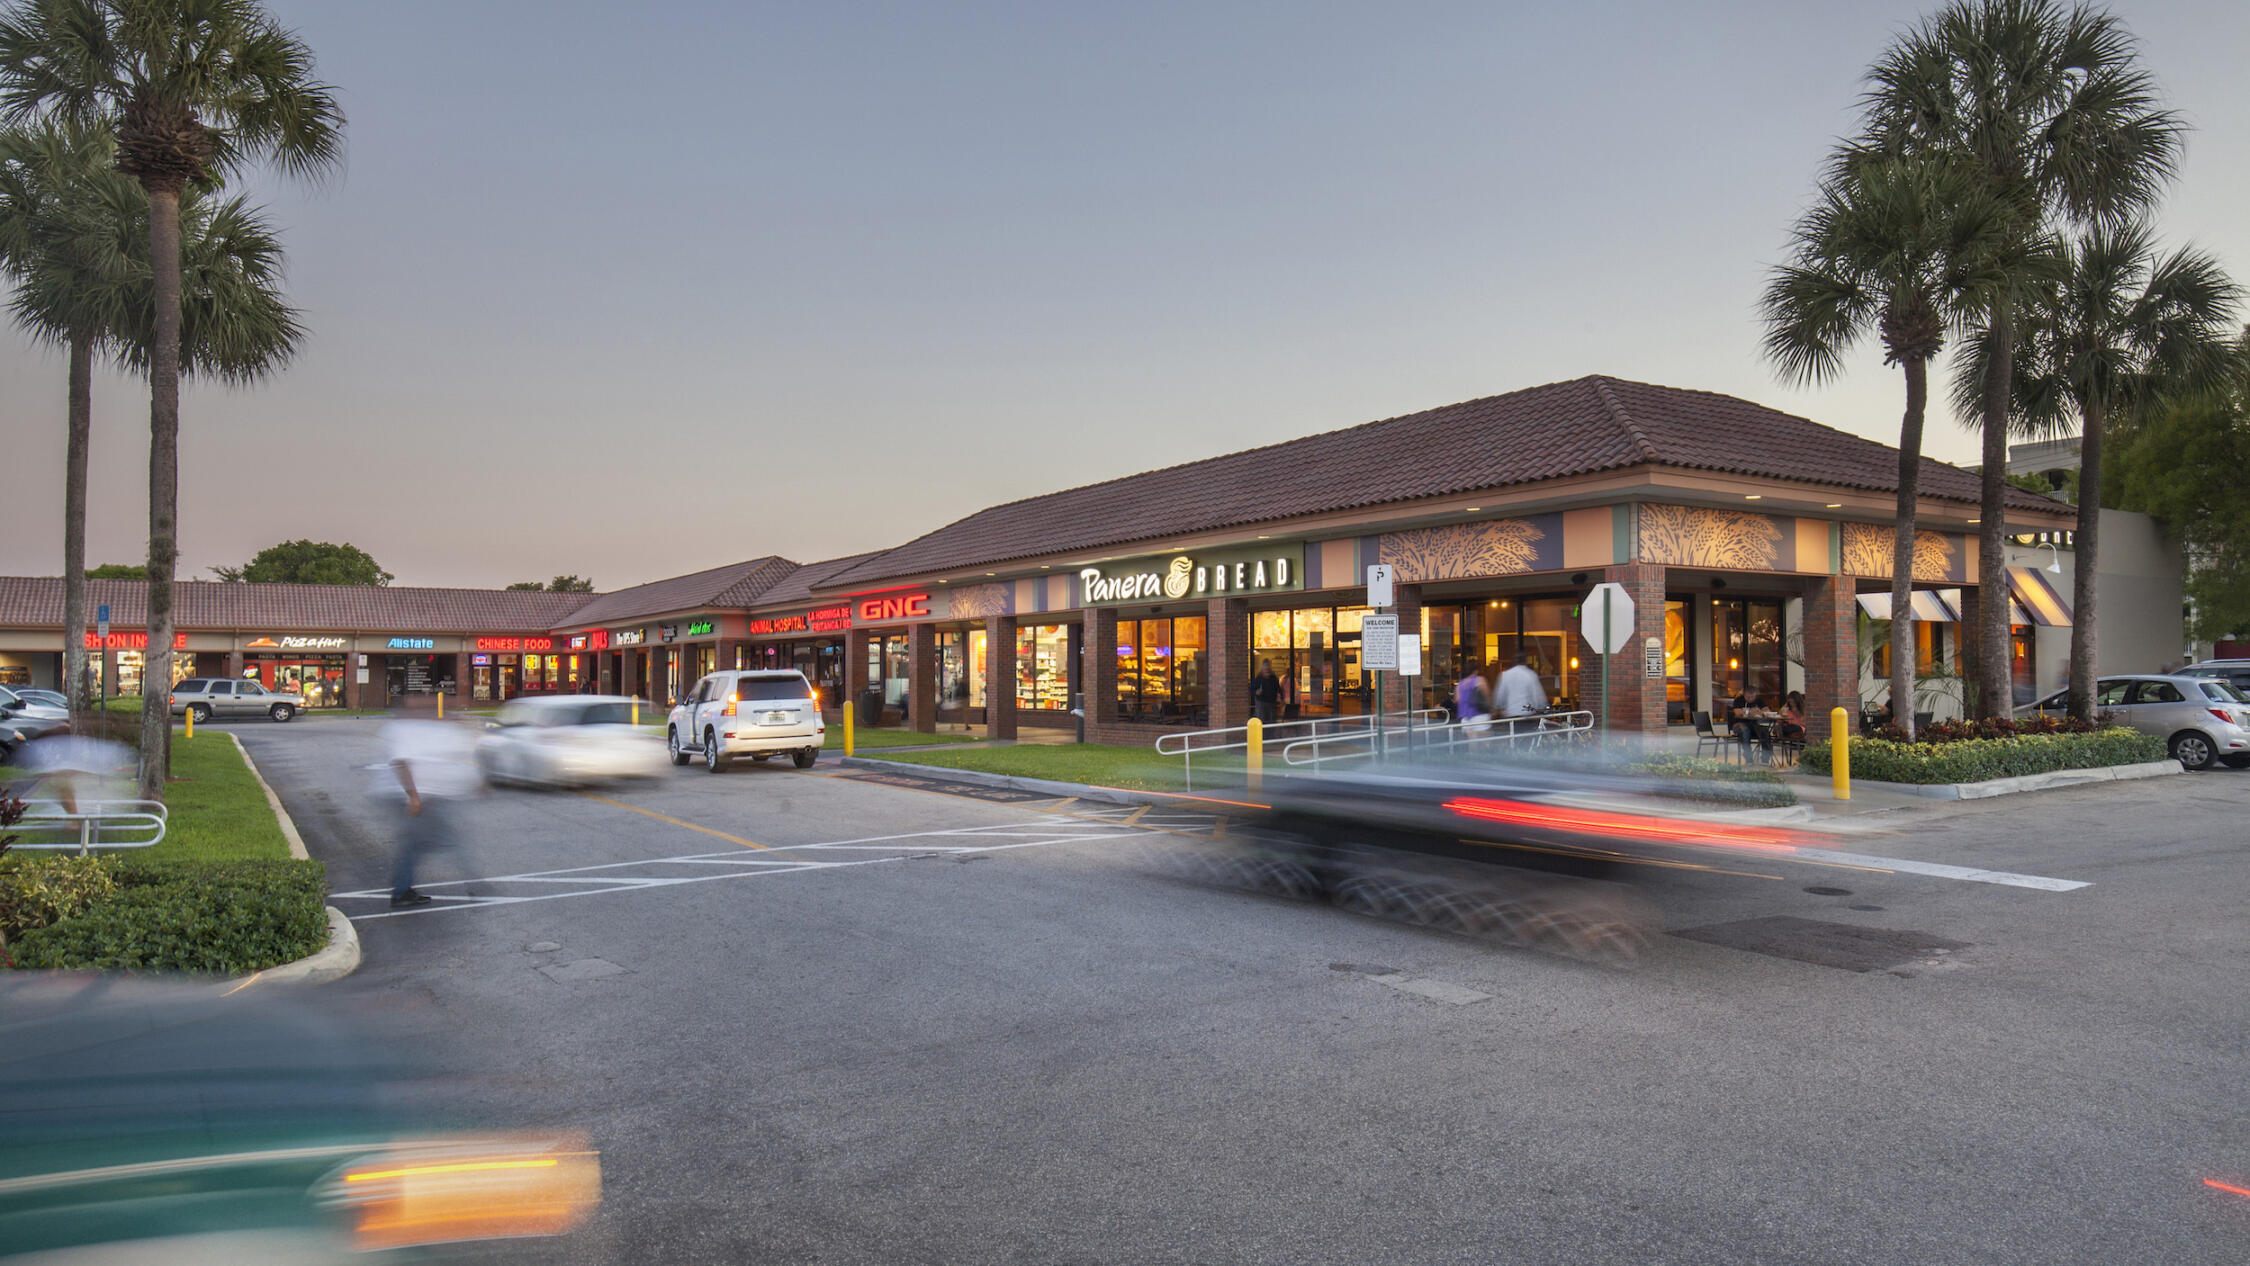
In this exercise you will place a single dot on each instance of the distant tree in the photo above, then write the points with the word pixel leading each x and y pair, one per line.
pixel 560 584
pixel 2181 461
pixel 307 563
pixel 118 571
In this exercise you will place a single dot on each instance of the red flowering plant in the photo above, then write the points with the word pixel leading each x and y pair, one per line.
pixel 1993 728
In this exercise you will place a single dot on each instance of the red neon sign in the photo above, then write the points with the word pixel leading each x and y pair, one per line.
pixel 598 639
pixel 875 609
pixel 129 642
pixel 515 643
pixel 779 624
pixel 830 619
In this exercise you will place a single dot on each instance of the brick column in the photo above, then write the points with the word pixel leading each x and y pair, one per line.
pixel 355 694
pixel 1397 697
pixel 1097 671
pixel 1639 704
pixel 1000 676
pixel 1227 665
pixel 921 676
pixel 1831 652
pixel 234 665
pixel 463 686
pixel 855 666
pixel 729 648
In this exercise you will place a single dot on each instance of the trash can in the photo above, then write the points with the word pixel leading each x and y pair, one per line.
pixel 871 706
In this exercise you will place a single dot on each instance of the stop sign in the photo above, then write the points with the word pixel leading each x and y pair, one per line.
pixel 1607 626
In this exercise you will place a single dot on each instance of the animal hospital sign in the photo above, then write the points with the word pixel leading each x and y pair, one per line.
pixel 1207 574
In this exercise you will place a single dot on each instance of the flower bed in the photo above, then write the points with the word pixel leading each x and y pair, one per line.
pixel 1994 728
pixel 1697 778
pixel 154 915
pixel 1965 759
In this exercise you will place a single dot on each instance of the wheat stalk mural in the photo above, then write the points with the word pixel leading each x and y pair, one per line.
pixel 1460 551
pixel 1867 552
pixel 972 602
pixel 1685 536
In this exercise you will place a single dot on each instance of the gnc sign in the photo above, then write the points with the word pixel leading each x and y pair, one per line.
pixel 906 607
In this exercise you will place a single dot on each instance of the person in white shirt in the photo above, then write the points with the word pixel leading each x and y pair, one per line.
pixel 1521 693
pixel 434 764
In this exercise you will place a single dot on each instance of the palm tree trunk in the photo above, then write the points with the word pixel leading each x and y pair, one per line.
pixel 1902 553
pixel 163 487
pixel 2086 555
pixel 81 417
pixel 1995 684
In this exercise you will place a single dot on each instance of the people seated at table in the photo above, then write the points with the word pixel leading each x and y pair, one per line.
pixel 1754 723
pixel 1793 717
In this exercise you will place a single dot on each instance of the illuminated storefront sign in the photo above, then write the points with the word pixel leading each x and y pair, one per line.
pixel 629 637
pixel 1170 578
pixel 129 642
pixel 515 643
pixel 667 632
pixel 480 661
pixel 413 643
pixel 578 642
pixel 700 627
pixel 834 619
pixel 901 608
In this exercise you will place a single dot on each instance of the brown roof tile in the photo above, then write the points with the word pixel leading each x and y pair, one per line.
pixel 1581 427
pixel 798 586
pixel 210 604
pixel 734 585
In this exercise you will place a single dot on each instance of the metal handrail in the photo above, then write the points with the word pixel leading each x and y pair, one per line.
pixel 90 826
pixel 1185 746
pixel 1543 727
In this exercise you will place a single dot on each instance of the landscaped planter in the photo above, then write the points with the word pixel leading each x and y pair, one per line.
pixel 1983 760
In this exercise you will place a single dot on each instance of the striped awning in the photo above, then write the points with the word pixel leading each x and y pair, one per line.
pixel 2029 587
pixel 1929 606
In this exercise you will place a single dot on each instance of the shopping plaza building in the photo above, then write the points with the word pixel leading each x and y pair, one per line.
pixel 1751 541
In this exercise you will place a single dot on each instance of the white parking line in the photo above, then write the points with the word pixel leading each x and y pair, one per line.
pixel 1939 869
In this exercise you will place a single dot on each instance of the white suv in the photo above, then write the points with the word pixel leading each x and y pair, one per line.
pixel 753 714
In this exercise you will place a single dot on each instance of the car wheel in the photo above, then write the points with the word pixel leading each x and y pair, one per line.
pixel 281 712
pixel 713 760
pixel 805 756
pixel 672 740
pixel 2193 749
pixel 201 712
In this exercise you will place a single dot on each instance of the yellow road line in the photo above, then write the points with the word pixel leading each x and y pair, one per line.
pixel 731 839
pixel 1134 818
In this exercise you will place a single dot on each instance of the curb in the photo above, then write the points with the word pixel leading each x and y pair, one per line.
pixel 1010 782
pixel 333 961
pixel 2052 780
pixel 288 826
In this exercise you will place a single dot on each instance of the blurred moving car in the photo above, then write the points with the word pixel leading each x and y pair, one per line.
pixel 2203 720
pixel 206 697
pixel 2235 672
pixel 750 712
pixel 145 1120
pixel 13 705
pixel 50 698
pixel 567 740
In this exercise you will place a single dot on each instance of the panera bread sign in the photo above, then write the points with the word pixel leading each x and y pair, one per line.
pixel 1204 574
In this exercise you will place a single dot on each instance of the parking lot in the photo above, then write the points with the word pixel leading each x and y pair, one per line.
pixel 824 1017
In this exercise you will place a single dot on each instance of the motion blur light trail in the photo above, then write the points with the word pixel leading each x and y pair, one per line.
pixel 1628 825
pixel 2226 1186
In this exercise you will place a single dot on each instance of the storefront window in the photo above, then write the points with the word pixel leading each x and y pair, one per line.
pixel 978 667
pixel 1160 669
pixel 1678 696
pixel 2023 664
pixel 1746 652
pixel 1043 667
pixel 896 663
pixel 953 673
pixel 1929 651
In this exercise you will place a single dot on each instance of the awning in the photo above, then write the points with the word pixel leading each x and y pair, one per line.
pixel 2033 594
pixel 1928 605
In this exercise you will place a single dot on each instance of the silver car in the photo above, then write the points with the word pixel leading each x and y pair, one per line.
pixel 16 707
pixel 567 740
pixel 206 697
pixel 2203 720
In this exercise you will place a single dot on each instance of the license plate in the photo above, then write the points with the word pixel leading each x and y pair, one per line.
pixel 776 718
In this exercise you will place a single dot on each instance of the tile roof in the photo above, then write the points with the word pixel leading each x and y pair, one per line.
pixel 1585 426
pixel 798 586
pixel 734 585
pixel 211 604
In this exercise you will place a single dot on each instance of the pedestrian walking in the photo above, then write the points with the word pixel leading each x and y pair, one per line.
pixel 431 766
pixel 1520 692
pixel 1472 700
pixel 1265 694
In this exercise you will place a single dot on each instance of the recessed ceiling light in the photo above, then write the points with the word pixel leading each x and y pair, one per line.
pixel 1835 505
pixel 992 573
pixel 1473 509
pixel 1755 496
pixel 1264 538
pixel 1976 520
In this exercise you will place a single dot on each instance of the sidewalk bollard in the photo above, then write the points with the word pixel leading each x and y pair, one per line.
pixel 191 723
pixel 441 705
pixel 1255 741
pixel 849 731
pixel 1840 747
pixel 636 709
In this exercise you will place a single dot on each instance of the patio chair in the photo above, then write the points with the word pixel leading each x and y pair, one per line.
pixel 1705 734
pixel 1922 721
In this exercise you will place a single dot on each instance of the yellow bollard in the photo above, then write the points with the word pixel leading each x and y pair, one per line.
pixel 1256 741
pixel 191 723
pixel 1840 747
pixel 636 709
pixel 441 705
pixel 848 731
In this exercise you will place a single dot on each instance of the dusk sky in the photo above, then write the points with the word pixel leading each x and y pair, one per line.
pixel 629 291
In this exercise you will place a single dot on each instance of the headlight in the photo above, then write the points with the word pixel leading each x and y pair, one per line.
pixel 441 1191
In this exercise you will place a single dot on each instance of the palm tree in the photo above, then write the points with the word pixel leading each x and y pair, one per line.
pixel 1904 247
pixel 74 242
pixel 2115 330
pixel 2052 111
pixel 192 89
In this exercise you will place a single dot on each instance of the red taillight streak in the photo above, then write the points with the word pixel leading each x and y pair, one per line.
pixel 1601 822
pixel 2226 1186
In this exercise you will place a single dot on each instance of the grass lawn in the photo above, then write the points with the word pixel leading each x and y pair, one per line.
pixel 217 810
pixel 1101 765
pixel 871 738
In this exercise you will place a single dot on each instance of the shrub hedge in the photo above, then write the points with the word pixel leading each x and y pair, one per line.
pixel 36 891
pixel 224 917
pixel 1700 778
pixel 1978 760
pixel 1994 727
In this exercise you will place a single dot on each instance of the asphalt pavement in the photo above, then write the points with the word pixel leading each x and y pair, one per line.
pixel 814 1018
